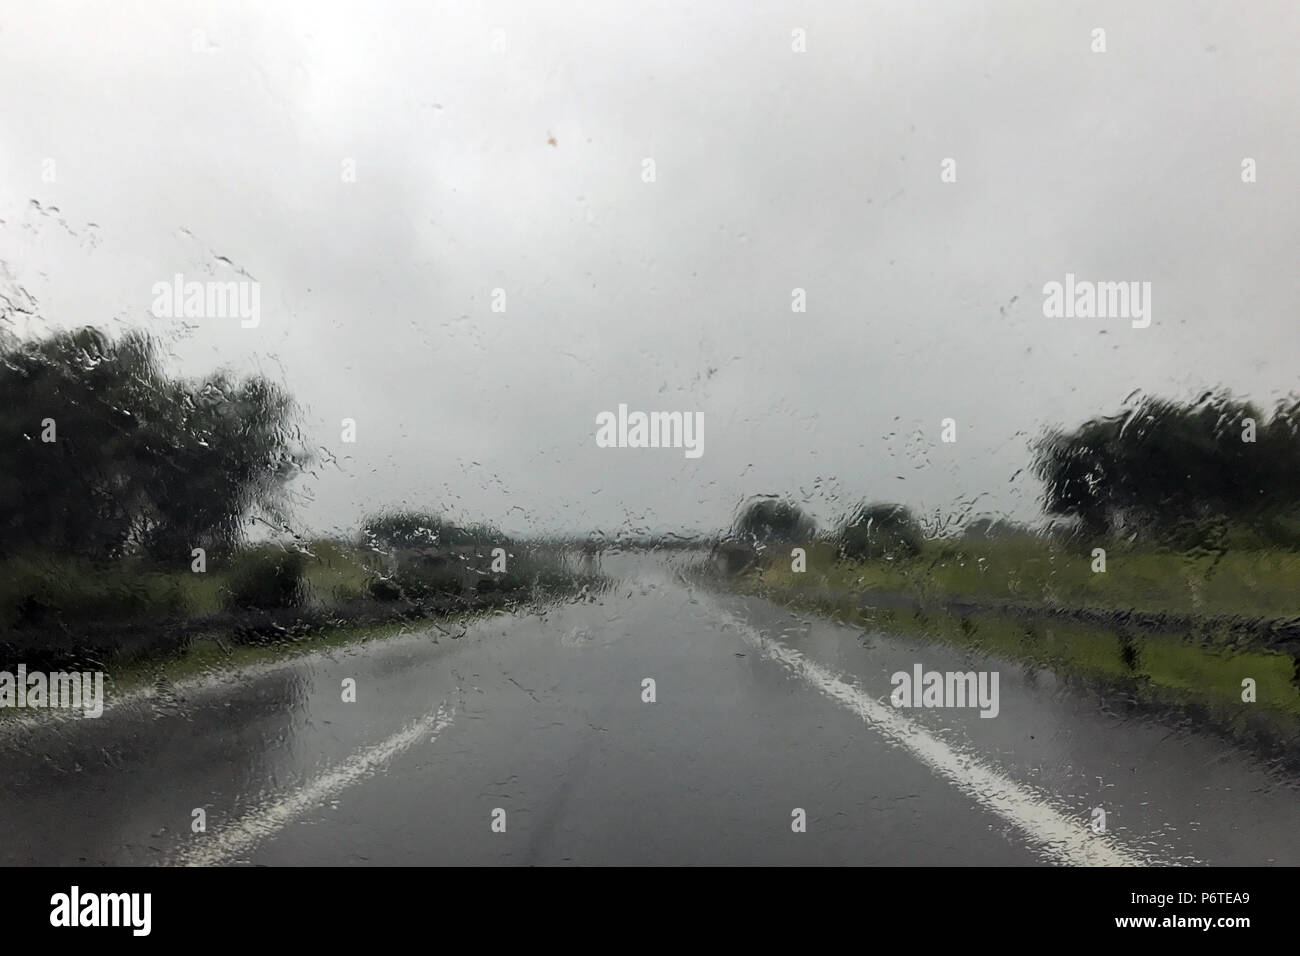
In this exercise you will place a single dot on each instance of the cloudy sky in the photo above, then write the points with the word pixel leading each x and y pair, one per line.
pixel 380 169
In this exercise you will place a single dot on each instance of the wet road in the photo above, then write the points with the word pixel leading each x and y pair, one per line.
pixel 529 741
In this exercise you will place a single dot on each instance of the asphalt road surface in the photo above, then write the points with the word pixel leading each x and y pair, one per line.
pixel 771 739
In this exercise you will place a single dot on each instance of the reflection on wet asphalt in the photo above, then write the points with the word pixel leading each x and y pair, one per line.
pixel 536 725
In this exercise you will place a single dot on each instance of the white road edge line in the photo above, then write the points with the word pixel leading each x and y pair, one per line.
pixel 216 679
pixel 256 825
pixel 1057 836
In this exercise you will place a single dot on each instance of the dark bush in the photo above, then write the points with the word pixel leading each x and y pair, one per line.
pixel 734 557
pixel 384 589
pixel 873 532
pixel 266 579
pixel 425 580
pixel 772 521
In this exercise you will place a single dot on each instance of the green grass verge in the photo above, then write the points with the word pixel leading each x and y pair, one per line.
pixel 1164 667
pixel 214 654
pixel 1034 570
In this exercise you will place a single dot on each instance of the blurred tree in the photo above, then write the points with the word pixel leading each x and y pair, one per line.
pixel 101 453
pixel 229 450
pixel 986 526
pixel 1164 464
pixel 769 521
pixel 879 530
pixel 407 529
pixel 392 530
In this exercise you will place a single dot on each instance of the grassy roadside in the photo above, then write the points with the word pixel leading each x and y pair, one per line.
pixel 215 653
pixel 1036 571
pixel 77 589
pixel 1007 598
pixel 144 626
pixel 211 654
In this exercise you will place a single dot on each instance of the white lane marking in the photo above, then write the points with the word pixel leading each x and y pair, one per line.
pixel 1057 836
pixel 256 825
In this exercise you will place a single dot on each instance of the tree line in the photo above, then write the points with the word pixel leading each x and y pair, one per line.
pixel 1204 473
pixel 104 454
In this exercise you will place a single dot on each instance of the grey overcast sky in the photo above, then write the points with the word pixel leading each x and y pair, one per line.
pixel 502 145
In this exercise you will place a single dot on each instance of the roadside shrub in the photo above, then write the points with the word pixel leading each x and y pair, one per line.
pixel 434 574
pixel 734 557
pixel 384 589
pixel 405 530
pixel 266 579
pixel 430 578
pixel 349 593
pixel 36 592
pixel 771 521
pixel 337 572
pixel 537 568
pixel 879 531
